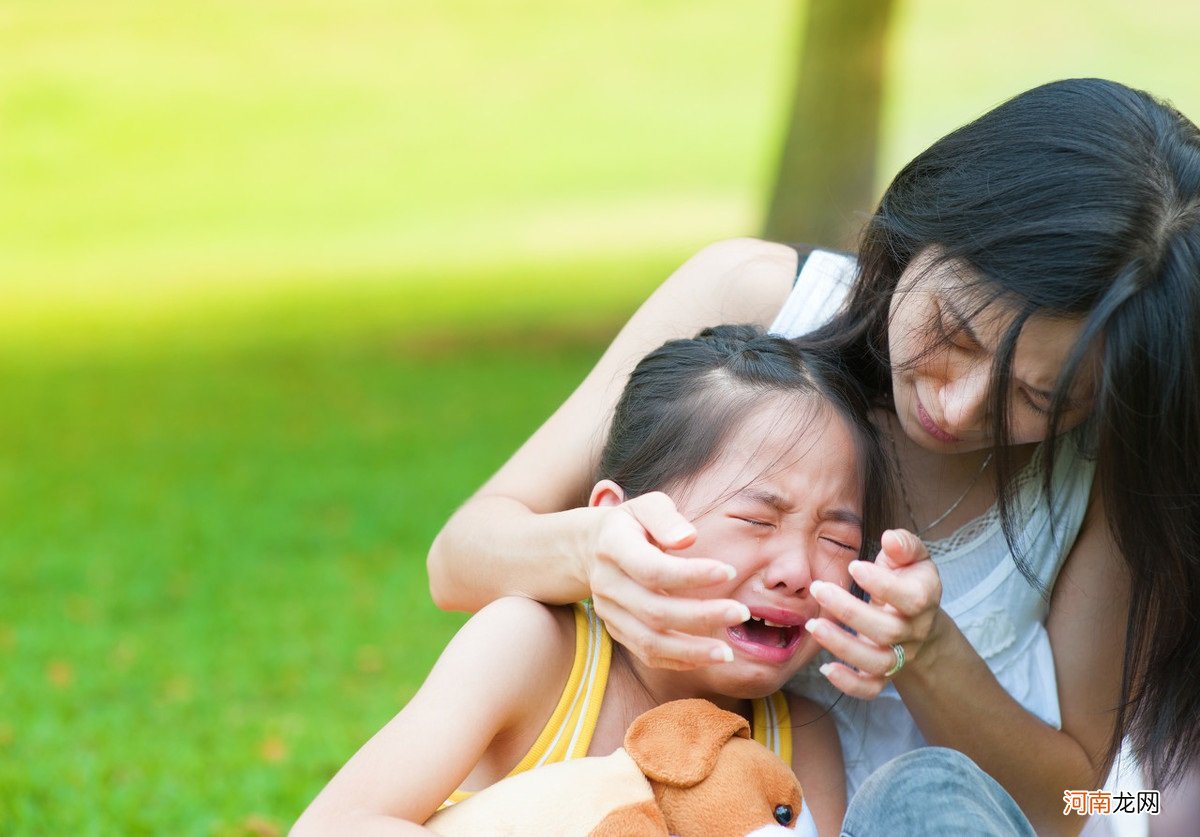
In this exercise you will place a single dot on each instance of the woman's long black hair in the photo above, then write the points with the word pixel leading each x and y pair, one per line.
pixel 1081 198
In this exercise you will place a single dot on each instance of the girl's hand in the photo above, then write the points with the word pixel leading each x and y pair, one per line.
pixel 632 580
pixel 905 608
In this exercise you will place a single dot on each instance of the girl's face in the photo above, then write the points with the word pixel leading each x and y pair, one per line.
pixel 942 364
pixel 782 504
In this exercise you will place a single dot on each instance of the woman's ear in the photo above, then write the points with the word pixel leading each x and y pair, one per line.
pixel 606 493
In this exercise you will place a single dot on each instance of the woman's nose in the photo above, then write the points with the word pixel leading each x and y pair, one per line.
pixel 964 399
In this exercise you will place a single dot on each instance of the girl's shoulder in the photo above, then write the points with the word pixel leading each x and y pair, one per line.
pixel 514 657
pixel 531 628
pixel 515 646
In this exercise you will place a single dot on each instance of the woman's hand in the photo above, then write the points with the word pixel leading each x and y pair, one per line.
pixel 905 608
pixel 632 581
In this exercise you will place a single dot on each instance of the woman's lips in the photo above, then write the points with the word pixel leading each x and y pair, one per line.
pixel 931 428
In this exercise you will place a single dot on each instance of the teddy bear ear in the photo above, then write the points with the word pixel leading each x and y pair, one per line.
pixel 678 743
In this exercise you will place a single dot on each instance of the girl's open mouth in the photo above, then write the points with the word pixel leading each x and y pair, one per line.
pixel 766 640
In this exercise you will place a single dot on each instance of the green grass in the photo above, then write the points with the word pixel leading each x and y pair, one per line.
pixel 213 567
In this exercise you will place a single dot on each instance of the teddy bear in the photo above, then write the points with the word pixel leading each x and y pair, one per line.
pixel 687 768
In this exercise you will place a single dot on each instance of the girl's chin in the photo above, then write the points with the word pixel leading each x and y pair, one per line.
pixel 748 677
pixel 751 685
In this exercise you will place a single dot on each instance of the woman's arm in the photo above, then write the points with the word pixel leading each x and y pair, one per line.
pixel 495 683
pixel 957 701
pixel 817 763
pixel 514 537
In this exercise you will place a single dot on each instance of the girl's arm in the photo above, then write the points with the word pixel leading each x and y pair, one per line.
pixel 514 537
pixel 957 701
pixel 494 685
pixel 817 763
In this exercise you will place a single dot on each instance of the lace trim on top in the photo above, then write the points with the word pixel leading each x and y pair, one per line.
pixel 1026 487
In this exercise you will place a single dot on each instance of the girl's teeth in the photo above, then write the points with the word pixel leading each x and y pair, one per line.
pixel 768 622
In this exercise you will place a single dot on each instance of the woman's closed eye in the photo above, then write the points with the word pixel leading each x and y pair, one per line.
pixel 954 330
pixel 955 338
pixel 1033 405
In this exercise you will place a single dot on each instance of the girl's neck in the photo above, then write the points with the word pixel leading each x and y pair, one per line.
pixel 634 688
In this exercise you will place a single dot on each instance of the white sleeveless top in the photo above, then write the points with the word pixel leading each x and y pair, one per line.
pixel 997 609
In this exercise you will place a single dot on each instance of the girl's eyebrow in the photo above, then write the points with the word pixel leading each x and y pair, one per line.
pixel 766 497
pixel 842 516
pixel 780 504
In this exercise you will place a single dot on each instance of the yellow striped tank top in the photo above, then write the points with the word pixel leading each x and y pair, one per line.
pixel 568 733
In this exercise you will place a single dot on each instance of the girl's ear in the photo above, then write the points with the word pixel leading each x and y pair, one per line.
pixel 606 493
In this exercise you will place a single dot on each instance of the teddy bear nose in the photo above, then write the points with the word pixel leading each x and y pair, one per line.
pixel 783 814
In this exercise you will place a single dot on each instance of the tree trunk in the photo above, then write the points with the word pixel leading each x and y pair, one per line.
pixel 825 186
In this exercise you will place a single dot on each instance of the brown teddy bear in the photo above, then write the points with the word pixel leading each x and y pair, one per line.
pixel 687 768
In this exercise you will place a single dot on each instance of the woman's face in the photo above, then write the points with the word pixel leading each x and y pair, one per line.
pixel 942 352
pixel 782 505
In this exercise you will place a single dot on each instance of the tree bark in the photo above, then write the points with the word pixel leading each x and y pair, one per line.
pixel 825 186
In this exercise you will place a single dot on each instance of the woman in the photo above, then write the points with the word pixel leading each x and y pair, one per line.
pixel 1025 309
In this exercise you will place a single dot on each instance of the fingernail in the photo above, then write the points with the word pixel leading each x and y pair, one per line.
pixel 826 668
pixel 738 614
pixel 724 654
pixel 726 573
pixel 680 533
pixel 855 567
pixel 816 587
pixel 810 624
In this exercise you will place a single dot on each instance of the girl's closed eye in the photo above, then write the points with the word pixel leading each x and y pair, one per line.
pixel 755 522
pixel 841 544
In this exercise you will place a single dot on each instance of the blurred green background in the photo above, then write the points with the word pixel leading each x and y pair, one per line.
pixel 282 282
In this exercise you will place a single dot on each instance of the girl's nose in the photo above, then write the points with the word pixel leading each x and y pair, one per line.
pixel 790 572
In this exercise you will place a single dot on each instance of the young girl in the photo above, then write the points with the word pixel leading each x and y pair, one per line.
pixel 768 449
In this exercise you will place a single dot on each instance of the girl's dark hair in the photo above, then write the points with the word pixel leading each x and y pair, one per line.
pixel 1081 199
pixel 683 400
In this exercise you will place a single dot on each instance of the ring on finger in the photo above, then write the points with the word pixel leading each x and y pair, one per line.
pixel 898 650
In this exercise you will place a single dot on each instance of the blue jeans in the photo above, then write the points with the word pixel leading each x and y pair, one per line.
pixel 933 791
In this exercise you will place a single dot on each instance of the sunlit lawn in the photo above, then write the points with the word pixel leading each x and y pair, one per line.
pixel 281 282
pixel 213 576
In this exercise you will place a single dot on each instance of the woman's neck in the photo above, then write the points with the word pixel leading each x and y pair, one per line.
pixel 939 493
